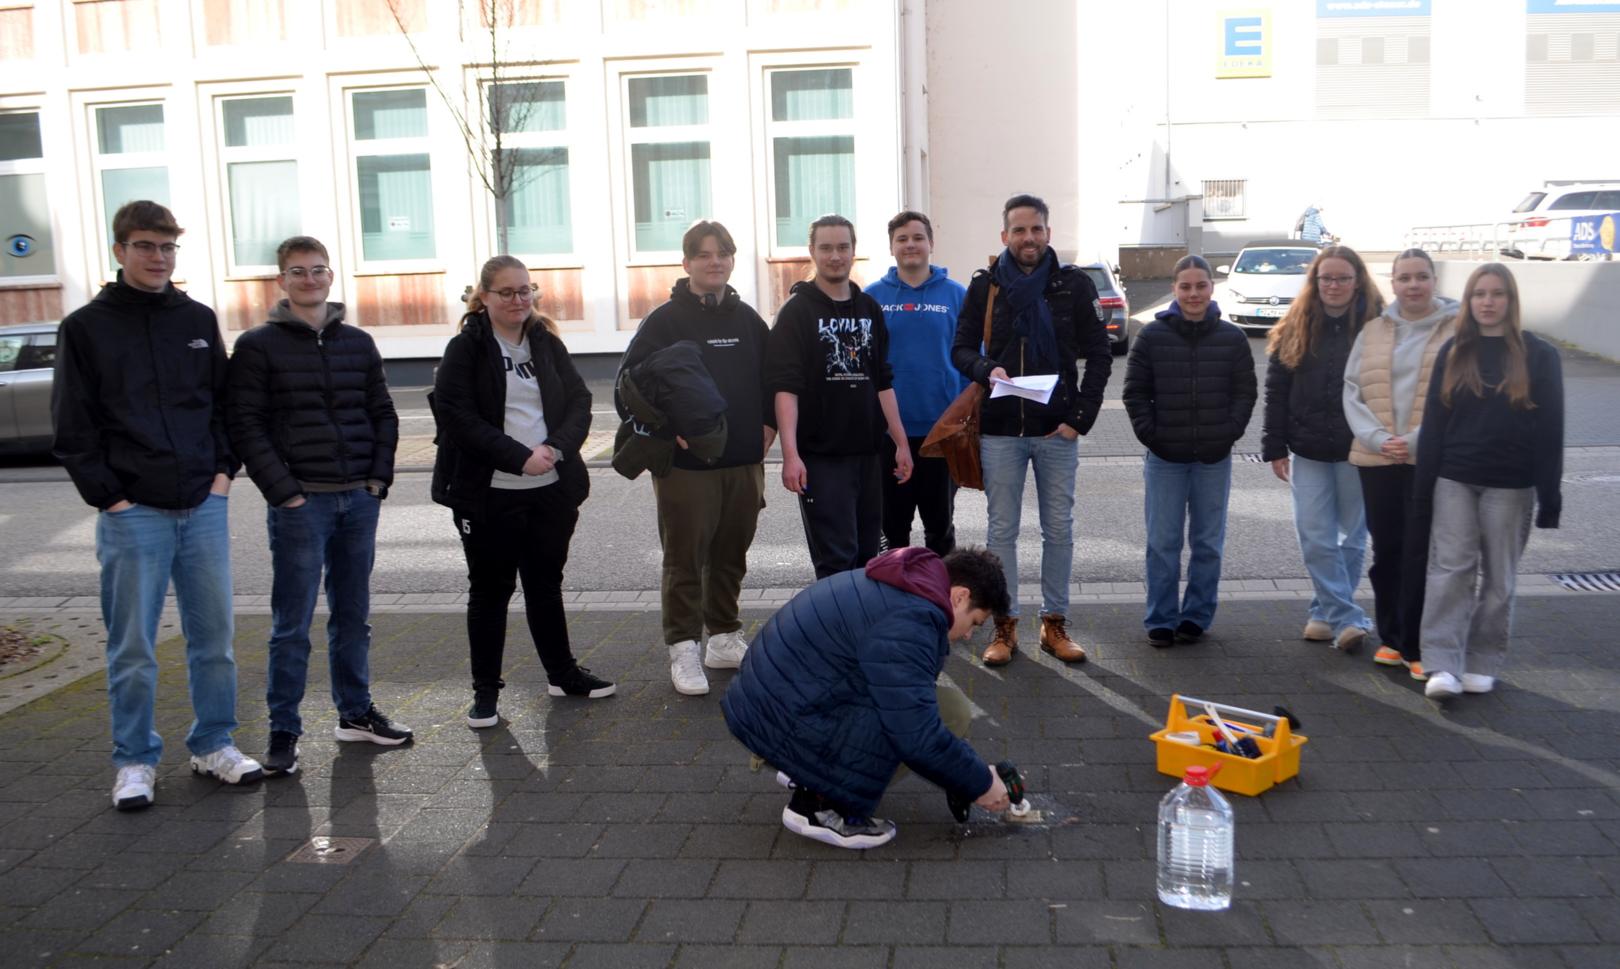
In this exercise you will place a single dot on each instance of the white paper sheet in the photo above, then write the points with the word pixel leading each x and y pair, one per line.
pixel 1037 388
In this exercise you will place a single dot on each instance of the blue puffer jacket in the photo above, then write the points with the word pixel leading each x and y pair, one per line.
pixel 838 689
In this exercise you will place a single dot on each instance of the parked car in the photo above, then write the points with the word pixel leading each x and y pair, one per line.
pixel 1112 296
pixel 1538 227
pixel 27 369
pixel 1262 281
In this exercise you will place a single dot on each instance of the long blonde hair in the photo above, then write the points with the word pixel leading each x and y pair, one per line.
pixel 1294 338
pixel 1462 366
pixel 486 279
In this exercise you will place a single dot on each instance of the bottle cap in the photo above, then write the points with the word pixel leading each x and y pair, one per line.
pixel 1197 776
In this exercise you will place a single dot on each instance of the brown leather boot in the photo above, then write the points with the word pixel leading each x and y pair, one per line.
pixel 1005 644
pixel 1055 638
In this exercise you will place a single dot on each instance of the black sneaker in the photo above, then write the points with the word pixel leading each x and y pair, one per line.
pixel 373 727
pixel 1161 637
pixel 282 757
pixel 579 682
pixel 813 817
pixel 483 712
pixel 1189 632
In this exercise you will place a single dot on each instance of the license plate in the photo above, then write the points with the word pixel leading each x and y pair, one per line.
pixel 1271 312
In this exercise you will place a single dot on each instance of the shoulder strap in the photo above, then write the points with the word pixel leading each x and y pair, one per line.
pixel 989 307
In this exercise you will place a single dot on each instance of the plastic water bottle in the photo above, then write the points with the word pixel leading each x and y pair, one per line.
pixel 1195 845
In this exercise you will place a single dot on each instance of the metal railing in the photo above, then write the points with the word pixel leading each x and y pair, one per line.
pixel 1532 237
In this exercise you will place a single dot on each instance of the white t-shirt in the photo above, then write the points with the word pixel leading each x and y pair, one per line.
pixel 525 415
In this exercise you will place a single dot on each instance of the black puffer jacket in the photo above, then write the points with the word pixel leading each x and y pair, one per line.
pixel 311 406
pixel 1078 320
pixel 1305 405
pixel 1190 386
pixel 469 407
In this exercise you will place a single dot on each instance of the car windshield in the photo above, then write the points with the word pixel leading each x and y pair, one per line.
pixel 1530 202
pixel 1099 279
pixel 1274 262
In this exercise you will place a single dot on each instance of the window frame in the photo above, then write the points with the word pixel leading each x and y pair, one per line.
pixel 771 129
pixel 34 166
pixel 389 147
pixel 565 138
pixel 100 218
pixel 226 155
pixel 656 135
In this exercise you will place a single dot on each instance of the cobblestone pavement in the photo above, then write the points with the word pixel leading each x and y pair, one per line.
pixel 629 832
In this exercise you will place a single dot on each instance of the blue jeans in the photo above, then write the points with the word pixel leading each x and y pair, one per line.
pixel 1331 522
pixel 140 549
pixel 337 531
pixel 1006 461
pixel 1192 498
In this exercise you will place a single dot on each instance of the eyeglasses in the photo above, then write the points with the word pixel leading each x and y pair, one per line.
pixel 316 273
pixel 1335 280
pixel 523 295
pixel 145 248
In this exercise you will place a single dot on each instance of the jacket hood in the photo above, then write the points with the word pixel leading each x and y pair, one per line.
pixel 917 571
pixel 282 312
pixel 123 293
pixel 682 292
pixel 935 274
pixel 1444 308
pixel 813 292
pixel 1172 313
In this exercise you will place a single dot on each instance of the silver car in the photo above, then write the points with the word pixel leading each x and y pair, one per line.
pixel 27 369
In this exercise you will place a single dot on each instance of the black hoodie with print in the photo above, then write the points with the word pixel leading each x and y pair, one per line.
pixel 835 356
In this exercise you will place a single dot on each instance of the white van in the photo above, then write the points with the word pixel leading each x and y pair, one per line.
pixel 1539 226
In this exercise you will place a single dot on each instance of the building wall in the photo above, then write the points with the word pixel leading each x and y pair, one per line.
pixel 270 116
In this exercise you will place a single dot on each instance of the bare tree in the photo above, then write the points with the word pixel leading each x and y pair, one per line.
pixel 496 107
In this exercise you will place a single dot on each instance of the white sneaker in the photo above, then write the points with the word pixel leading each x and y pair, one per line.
pixel 1478 683
pixel 686 668
pixel 229 765
pixel 1442 686
pixel 133 789
pixel 726 650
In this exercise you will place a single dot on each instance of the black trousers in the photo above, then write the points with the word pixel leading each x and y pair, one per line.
pixel 841 509
pixel 1400 539
pixel 519 534
pixel 930 493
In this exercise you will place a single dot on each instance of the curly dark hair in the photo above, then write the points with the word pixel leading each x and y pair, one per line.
pixel 979 571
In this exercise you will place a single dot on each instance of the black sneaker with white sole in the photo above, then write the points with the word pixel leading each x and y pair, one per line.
pixel 483 712
pixel 282 755
pixel 373 727
pixel 579 682
pixel 812 816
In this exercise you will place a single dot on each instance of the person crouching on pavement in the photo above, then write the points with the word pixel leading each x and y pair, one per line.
pixel 838 690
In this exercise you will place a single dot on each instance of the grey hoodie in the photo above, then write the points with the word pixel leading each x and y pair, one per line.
pixel 1411 336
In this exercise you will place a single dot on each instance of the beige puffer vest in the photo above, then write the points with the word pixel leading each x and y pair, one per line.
pixel 1377 360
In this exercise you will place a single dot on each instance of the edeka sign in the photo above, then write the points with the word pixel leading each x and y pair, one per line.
pixel 1245 44
pixel 1571 6
pixel 1593 233
pixel 1372 8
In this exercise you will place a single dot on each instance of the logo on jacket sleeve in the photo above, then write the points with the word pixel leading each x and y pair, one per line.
pixel 198 344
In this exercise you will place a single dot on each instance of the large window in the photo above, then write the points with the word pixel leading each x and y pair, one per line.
pixel 393 175
pixel 532 117
pixel 25 232
pixel 669 157
pixel 811 132
pixel 261 178
pixel 131 157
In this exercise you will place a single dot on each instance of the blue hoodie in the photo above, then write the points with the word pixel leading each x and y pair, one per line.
pixel 921 321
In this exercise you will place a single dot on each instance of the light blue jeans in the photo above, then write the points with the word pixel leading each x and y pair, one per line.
pixel 1331 522
pixel 1184 498
pixel 1006 461
pixel 140 549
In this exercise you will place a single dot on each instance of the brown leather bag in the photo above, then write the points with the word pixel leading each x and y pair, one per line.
pixel 955 436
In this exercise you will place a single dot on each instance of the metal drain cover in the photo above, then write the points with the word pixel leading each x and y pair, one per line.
pixel 1588 581
pixel 330 851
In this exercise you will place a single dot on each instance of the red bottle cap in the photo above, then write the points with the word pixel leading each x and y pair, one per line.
pixel 1197 776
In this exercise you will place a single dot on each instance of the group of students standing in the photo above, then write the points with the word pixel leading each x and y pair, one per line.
pixel 1352 386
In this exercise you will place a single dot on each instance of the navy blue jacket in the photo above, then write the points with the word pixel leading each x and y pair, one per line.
pixel 837 690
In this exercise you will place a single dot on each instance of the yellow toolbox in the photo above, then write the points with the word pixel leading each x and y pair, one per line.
pixel 1279 746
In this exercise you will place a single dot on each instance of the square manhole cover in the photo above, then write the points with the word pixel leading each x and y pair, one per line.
pixel 330 851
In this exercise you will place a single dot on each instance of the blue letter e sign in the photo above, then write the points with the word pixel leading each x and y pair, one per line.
pixel 1245 44
pixel 1243 36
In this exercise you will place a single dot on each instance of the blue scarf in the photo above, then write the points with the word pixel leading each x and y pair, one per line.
pixel 1026 301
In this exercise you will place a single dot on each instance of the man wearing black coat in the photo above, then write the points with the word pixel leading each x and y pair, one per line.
pixel 312 419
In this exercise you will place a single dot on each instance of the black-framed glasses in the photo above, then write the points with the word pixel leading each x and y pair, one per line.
pixel 317 273
pixel 1335 280
pixel 523 295
pixel 146 248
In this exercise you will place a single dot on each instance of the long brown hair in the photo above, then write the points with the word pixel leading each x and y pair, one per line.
pixel 1462 366
pixel 486 279
pixel 1293 339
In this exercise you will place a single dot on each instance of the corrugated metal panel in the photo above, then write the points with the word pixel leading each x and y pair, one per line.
pixel 1396 82
pixel 1555 82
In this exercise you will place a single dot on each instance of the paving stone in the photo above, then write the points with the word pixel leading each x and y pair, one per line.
pixel 956 956
pixel 1551 877
pixel 989 922
pixel 665 878
pixel 1055 881
pixel 1451 878
pixel 843 957
pixel 213 952
pixel 1318 923
pixel 572 876
pixel 258 913
pixel 1280 957
pixel 492 919
pixel 728 957
pixel 854 880
pixel 705 920
pixel 1426 922
pixel 1384 956
pixel 1100 923
pixel 591 920
pixel 1239 925
pixel 327 938
pixel 1514 921
pixel 794 922
pixel 591 955
pixel 78 907
pixel 472 875
pixel 389 953
pixel 1590 956
pixel 1324 878
pixel 760 879
pixel 1136 957
pixel 949 880
pixel 899 923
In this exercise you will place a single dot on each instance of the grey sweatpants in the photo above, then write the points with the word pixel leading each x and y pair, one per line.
pixel 1475 541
